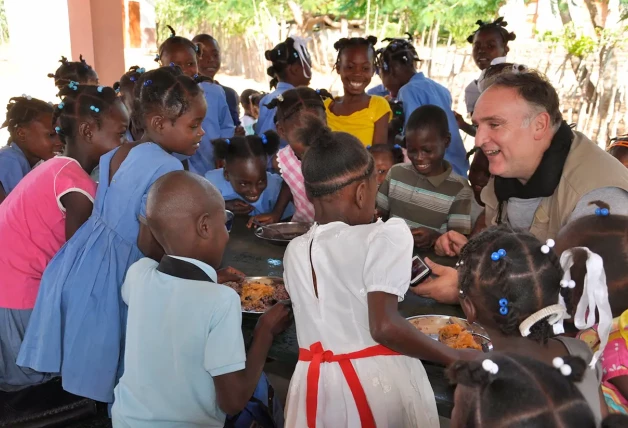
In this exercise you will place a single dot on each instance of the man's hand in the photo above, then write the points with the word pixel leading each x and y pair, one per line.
pixel 424 238
pixel 443 288
pixel 238 207
pixel 450 244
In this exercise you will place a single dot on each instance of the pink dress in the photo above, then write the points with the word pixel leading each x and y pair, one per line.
pixel 32 227
pixel 290 168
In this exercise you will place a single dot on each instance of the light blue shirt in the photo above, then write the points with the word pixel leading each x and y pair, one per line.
pixel 266 119
pixel 13 167
pixel 267 200
pixel 420 91
pixel 379 90
pixel 217 124
pixel 180 335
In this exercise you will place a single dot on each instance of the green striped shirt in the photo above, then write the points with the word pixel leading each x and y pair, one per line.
pixel 440 203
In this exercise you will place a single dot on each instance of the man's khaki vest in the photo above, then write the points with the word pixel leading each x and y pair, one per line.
pixel 587 168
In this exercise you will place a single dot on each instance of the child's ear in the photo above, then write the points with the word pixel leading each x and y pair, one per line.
pixel 20 134
pixel 469 309
pixel 204 226
pixel 360 194
pixel 281 130
pixel 447 141
pixel 85 131
pixel 157 123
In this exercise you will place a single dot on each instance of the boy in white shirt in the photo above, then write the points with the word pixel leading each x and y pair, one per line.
pixel 185 363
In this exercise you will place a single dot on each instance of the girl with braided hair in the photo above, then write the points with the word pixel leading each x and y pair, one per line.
pixel 46 209
pixel 291 67
pixel 356 112
pixel 510 284
pixel 77 327
pixel 125 88
pixel 74 71
pixel 397 63
pixel 32 138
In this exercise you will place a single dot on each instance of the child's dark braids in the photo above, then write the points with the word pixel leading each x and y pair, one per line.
pixel 499 25
pixel 544 396
pixel 345 43
pixel 129 79
pixel 175 40
pixel 526 277
pixel 251 146
pixel 78 104
pixel 281 56
pixel 398 50
pixel 295 100
pixel 78 71
pixel 165 90
pixel 395 151
pixel 23 110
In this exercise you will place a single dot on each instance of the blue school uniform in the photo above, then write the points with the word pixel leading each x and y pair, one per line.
pixel 217 124
pixel 421 91
pixel 266 119
pixel 233 101
pixel 13 167
pixel 379 90
pixel 78 323
pixel 267 200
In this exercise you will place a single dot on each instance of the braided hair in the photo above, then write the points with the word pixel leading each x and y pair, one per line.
pixel 74 71
pixel 345 43
pixel 499 26
pixel 246 98
pixel 296 100
pixel 334 160
pixel 176 41
pixel 81 102
pixel 607 237
pixel 165 90
pixel 527 278
pixel 21 111
pixel 127 82
pixel 398 50
pixel 395 151
pixel 251 146
pixel 281 57
pixel 524 392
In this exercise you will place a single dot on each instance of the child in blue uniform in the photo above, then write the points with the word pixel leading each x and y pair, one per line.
pixel 246 186
pixel 77 325
pixel 181 52
pixel 32 139
pixel 398 72
pixel 126 88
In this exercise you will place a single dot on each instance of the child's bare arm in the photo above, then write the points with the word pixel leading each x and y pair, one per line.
pixel 380 133
pixel 3 194
pixel 284 198
pixel 392 330
pixel 78 208
pixel 233 390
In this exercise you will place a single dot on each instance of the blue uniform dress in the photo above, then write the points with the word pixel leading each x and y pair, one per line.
pixel 233 101
pixel 266 119
pixel 78 324
pixel 267 200
pixel 13 167
pixel 217 124
pixel 420 91
pixel 379 90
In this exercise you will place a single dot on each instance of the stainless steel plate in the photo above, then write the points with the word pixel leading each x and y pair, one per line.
pixel 431 324
pixel 271 280
pixel 282 233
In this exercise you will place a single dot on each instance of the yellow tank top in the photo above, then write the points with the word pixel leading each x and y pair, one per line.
pixel 360 124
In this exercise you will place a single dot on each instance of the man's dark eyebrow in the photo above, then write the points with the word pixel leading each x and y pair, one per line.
pixel 487 119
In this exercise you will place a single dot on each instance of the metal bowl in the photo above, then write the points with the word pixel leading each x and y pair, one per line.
pixel 274 280
pixel 431 324
pixel 282 233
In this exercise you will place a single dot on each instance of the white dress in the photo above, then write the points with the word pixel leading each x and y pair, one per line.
pixel 349 262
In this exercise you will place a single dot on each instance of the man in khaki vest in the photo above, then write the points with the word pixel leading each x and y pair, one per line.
pixel 544 174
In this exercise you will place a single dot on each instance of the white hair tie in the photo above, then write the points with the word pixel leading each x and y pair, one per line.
pixel 594 296
pixel 300 45
pixel 490 366
pixel 560 364
pixel 553 313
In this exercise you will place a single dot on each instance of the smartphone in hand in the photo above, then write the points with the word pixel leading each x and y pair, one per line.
pixel 420 271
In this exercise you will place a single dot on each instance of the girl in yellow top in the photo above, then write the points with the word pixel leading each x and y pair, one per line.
pixel 357 113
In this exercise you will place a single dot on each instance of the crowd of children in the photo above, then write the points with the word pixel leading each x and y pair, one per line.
pixel 112 232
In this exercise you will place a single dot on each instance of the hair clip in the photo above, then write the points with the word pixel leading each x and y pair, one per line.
pixel 461 293
pixel 73 85
pixel 503 306
pixel 549 244
pixel 132 78
pixel 490 366
pixel 500 254
pixel 172 64
pixel 141 70
pixel 396 146
pixel 279 98
pixel 94 109
pixel 264 139
pixel 278 52
pixel 602 212
pixel 296 55
pixel 28 97
pixel 172 35
pixel 100 88
pixel 148 82
pixel 196 76
pixel 58 129
pixel 117 90
pixel 560 364
pixel 228 141
pixel 157 57
pixel 60 106
pixel 460 262
pixel 567 283
pixel 196 48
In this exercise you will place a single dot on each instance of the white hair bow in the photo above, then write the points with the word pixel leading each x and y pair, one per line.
pixel 300 45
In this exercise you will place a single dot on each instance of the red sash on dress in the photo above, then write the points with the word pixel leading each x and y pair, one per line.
pixel 316 355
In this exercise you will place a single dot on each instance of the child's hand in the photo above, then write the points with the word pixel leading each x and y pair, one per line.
pixel 424 238
pixel 460 120
pixel 238 207
pixel 239 132
pixel 450 244
pixel 276 319
pixel 229 274
pixel 263 219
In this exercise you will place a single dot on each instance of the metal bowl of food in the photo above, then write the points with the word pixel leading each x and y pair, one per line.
pixel 455 332
pixel 282 233
pixel 229 222
pixel 258 293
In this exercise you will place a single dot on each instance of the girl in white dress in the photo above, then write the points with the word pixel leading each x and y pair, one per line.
pixel 358 363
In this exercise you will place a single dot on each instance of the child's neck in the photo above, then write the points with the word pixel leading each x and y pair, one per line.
pixel 524 346
pixel 32 159
pixel 72 151
pixel 354 99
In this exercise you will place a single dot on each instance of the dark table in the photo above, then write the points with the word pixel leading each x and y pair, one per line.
pixel 256 257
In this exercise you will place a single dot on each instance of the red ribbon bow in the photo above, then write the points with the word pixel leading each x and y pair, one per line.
pixel 316 355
